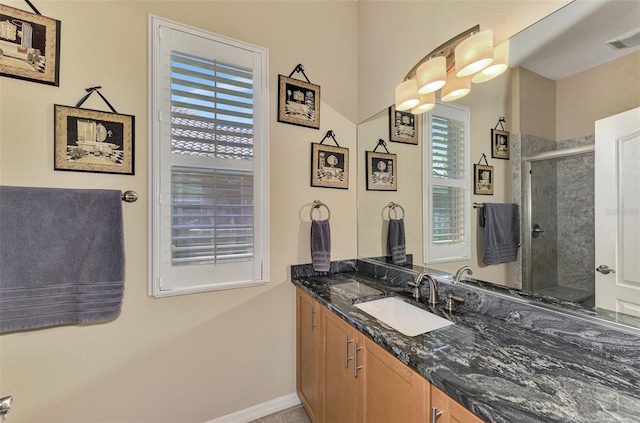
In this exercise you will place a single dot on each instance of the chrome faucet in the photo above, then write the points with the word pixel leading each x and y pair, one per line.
pixel 433 292
pixel 461 272
pixel 416 285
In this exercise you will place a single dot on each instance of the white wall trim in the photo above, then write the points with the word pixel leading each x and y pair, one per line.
pixel 260 410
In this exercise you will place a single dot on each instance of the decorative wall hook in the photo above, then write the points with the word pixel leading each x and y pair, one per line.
pixel 300 69
pixel 90 91
pixel 330 134
pixel 382 143
pixel 501 120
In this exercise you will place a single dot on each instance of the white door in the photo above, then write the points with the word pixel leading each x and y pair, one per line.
pixel 617 212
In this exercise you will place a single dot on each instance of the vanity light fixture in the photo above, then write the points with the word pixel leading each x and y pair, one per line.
pixel 474 54
pixel 468 57
pixel 498 66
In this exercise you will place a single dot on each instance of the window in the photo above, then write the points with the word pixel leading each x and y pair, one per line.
pixel 208 161
pixel 447 181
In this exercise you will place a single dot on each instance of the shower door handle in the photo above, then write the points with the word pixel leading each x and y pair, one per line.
pixel 536 231
pixel 604 269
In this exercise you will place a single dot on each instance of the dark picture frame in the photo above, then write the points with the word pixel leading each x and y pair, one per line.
pixel 403 126
pixel 329 166
pixel 30 46
pixel 93 141
pixel 483 179
pixel 500 144
pixel 382 171
pixel 298 102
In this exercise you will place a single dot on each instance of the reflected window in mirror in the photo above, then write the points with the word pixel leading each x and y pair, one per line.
pixel 447 182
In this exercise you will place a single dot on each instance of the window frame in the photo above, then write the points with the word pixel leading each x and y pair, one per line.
pixel 163 281
pixel 441 253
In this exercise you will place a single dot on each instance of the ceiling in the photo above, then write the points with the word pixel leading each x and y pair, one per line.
pixel 573 39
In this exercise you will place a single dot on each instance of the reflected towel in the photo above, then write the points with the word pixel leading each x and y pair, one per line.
pixel 396 241
pixel 61 256
pixel 320 245
pixel 501 224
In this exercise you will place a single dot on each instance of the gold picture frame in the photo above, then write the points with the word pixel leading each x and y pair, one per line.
pixel 298 102
pixel 30 46
pixel 382 171
pixel 483 179
pixel 500 144
pixel 403 126
pixel 329 166
pixel 93 141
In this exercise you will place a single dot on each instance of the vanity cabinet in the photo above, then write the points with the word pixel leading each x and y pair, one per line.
pixel 446 410
pixel 308 349
pixel 345 377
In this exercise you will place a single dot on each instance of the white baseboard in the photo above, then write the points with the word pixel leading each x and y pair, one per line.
pixel 257 411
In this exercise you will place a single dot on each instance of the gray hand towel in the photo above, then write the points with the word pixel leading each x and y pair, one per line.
pixel 396 241
pixel 501 224
pixel 61 256
pixel 320 245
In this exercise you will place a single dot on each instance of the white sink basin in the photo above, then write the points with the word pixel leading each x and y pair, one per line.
pixel 402 316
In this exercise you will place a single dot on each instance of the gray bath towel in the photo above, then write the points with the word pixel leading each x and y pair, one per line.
pixel 501 224
pixel 320 245
pixel 396 241
pixel 61 256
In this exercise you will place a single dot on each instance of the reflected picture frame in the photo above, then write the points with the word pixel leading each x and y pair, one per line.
pixel 329 166
pixel 500 144
pixel 88 140
pixel 382 171
pixel 298 102
pixel 483 179
pixel 30 46
pixel 403 126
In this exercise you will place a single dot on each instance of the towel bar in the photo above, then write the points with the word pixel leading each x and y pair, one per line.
pixel 129 196
pixel 478 205
pixel 316 204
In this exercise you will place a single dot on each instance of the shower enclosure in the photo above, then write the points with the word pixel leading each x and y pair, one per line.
pixel 559 224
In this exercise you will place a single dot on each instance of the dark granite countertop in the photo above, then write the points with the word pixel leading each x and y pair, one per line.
pixel 504 360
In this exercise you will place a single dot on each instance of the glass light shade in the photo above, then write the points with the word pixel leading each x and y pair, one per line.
pixel 456 87
pixel 407 95
pixel 499 65
pixel 432 75
pixel 427 102
pixel 474 54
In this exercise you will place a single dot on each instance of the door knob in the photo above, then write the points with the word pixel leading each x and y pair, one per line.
pixel 604 269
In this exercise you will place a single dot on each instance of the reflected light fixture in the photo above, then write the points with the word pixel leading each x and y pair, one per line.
pixel 468 57
pixel 474 53
pixel 498 66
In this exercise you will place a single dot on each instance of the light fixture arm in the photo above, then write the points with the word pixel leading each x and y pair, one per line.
pixel 447 50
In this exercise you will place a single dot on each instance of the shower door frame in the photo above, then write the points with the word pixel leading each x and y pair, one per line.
pixel 527 284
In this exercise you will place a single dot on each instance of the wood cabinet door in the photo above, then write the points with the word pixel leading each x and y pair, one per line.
pixel 452 411
pixel 308 348
pixel 388 391
pixel 459 414
pixel 339 391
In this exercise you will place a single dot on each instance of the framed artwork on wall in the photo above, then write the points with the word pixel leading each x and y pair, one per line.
pixel 93 141
pixel 403 126
pixel 29 46
pixel 382 170
pixel 482 179
pixel 298 102
pixel 329 166
pixel 499 144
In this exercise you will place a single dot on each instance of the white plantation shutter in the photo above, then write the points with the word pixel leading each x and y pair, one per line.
pixel 209 161
pixel 447 181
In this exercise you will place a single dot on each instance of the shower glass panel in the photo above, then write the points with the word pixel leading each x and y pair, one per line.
pixel 561 225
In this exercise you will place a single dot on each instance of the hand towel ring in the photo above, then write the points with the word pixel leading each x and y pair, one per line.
pixel 316 204
pixel 392 206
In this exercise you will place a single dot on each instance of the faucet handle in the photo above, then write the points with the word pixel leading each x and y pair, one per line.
pixel 450 304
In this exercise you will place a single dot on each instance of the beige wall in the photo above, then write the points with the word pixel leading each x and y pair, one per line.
pixel 595 94
pixel 197 357
pixel 535 103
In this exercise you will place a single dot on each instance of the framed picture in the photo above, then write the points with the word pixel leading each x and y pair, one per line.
pixel 499 144
pixel 329 166
pixel 298 102
pixel 93 141
pixel 403 126
pixel 29 46
pixel 482 179
pixel 382 170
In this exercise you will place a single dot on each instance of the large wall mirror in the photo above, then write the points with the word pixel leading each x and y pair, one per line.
pixel 562 78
